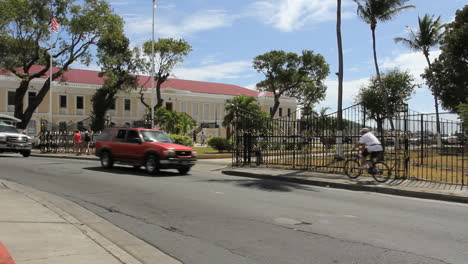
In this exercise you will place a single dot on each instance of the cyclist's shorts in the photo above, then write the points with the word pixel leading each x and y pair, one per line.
pixel 374 155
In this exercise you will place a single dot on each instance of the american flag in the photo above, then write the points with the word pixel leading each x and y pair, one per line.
pixel 54 25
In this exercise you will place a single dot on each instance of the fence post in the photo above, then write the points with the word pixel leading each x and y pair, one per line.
pixel 422 139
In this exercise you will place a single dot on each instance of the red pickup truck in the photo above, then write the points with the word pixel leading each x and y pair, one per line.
pixel 138 147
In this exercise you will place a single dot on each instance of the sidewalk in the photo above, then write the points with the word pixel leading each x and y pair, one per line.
pixel 35 229
pixel 409 188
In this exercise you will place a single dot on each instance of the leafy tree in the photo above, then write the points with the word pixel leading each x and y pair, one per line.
pixel 448 78
pixel 427 36
pixel 173 122
pixel 290 74
pixel 24 37
pixel 168 52
pixel 118 64
pixel 236 104
pixel 373 11
pixel 398 87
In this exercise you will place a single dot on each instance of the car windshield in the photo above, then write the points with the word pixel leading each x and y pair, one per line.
pixel 8 129
pixel 155 136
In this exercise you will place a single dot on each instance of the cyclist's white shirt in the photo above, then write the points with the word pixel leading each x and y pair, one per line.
pixel 372 143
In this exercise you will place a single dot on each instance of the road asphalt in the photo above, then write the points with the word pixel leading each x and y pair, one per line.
pixel 36 223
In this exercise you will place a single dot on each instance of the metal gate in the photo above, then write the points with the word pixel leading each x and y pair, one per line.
pixel 313 143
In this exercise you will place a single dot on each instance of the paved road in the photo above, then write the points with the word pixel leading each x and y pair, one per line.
pixel 207 217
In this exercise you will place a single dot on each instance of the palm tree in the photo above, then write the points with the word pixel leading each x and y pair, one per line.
pixel 372 11
pixel 236 104
pixel 339 149
pixel 427 36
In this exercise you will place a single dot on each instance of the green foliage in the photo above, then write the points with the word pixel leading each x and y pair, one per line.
pixel 449 78
pixel 293 75
pixel 398 87
pixel 372 11
pixel 182 140
pixel 220 144
pixel 173 122
pixel 463 110
pixel 168 53
pixel 24 41
pixel 239 103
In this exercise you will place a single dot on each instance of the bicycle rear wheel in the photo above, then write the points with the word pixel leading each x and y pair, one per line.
pixel 351 169
pixel 382 173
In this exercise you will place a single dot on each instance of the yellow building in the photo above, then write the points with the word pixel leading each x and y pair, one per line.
pixel 71 100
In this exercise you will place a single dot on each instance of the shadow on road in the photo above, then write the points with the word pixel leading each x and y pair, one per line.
pixel 135 172
pixel 267 185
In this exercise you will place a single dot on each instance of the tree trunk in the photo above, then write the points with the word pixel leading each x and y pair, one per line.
pixel 19 106
pixel 158 94
pixel 275 105
pixel 339 149
pixel 379 79
pixel 436 104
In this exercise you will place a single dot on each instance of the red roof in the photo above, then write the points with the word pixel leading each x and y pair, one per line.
pixel 92 77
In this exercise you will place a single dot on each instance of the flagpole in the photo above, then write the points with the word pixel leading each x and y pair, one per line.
pixel 50 78
pixel 152 69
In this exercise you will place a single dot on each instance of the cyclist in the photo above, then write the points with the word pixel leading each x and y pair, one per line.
pixel 370 145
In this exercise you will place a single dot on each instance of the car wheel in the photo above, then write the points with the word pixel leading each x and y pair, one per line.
pixel 106 160
pixel 152 164
pixel 26 153
pixel 183 170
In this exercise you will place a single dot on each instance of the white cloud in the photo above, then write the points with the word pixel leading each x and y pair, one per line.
pixel 166 26
pixel 414 62
pixel 350 90
pixel 227 70
pixel 290 15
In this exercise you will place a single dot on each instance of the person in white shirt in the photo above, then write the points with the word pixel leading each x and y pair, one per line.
pixel 370 145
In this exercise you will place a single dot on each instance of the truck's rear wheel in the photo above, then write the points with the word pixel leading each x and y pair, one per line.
pixel 26 153
pixel 183 170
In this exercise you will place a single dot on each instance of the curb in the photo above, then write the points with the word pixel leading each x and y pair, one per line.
pixel 353 187
pixel 5 257
pixel 93 157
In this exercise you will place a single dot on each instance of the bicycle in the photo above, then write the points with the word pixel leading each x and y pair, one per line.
pixel 378 170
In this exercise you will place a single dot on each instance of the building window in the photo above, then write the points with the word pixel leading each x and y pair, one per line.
pixel 127 104
pixel 79 102
pixel 31 96
pixel 289 112
pixel 271 110
pixel 11 98
pixel 218 112
pixel 63 101
pixel 183 107
pixel 112 106
pixel 195 111
pixel 206 112
pixel 169 106
pixel 281 112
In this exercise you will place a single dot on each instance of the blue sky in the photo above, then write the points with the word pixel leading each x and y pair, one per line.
pixel 227 35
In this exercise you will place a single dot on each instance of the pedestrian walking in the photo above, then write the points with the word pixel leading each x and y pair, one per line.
pixel 77 142
pixel 203 138
pixel 87 141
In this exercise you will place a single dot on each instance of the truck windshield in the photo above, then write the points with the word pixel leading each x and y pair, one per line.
pixel 155 136
pixel 8 129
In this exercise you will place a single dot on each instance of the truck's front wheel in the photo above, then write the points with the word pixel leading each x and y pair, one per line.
pixel 26 153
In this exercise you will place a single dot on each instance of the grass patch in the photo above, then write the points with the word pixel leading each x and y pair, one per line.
pixel 207 150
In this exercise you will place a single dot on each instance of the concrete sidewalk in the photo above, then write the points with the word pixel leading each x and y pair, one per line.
pixel 402 187
pixel 35 229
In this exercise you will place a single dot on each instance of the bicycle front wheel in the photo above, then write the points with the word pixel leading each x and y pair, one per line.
pixel 381 173
pixel 351 169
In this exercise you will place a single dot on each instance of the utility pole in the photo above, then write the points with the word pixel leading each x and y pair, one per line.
pixel 152 69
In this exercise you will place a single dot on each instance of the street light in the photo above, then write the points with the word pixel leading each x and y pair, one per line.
pixel 152 69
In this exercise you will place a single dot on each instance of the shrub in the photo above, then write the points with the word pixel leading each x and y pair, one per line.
pixel 220 144
pixel 182 140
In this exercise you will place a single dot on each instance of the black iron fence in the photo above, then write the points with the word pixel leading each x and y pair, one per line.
pixel 410 142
